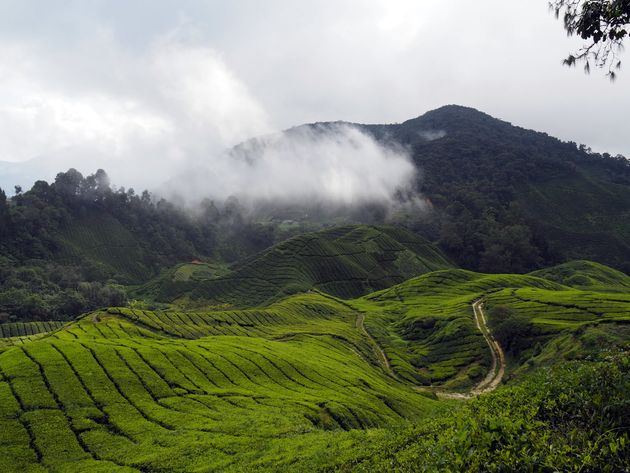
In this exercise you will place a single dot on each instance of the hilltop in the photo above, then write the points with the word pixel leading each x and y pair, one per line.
pixel 346 261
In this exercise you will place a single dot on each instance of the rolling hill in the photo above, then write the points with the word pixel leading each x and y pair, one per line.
pixel 426 327
pixel 312 382
pixel 125 390
pixel 344 261
pixel 586 275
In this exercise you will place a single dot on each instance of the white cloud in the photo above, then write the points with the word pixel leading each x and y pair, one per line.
pixel 334 165
pixel 109 83
pixel 175 103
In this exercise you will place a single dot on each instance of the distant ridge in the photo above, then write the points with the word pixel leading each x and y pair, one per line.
pixel 346 261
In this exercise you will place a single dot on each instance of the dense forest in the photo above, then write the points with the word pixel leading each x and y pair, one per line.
pixel 500 189
pixel 49 268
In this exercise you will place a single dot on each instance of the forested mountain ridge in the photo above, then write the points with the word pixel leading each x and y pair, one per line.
pixel 512 199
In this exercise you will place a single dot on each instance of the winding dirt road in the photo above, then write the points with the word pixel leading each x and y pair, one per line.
pixel 497 368
pixel 489 383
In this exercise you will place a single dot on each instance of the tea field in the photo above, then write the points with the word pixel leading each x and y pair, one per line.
pixel 313 382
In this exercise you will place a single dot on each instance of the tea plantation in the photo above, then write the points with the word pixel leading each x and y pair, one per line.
pixel 347 261
pixel 313 382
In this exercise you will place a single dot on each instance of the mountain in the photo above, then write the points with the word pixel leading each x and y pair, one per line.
pixel 507 197
pixel 346 261
pixel 504 199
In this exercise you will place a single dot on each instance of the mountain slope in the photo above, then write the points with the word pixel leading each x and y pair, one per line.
pixel 511 199
pixel 344 261
pixel 577 201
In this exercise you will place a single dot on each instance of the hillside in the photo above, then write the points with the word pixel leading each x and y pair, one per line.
pixel 316 383
pixel 344 261
pixel 586 275
pixel 124 390
pixel 575 200
pixel 427 330
pixel 509 199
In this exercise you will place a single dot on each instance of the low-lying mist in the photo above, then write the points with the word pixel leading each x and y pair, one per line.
pixel 330 167
pixel 169 124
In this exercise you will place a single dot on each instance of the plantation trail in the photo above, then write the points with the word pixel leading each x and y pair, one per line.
pixel 488 384
pixel 376 347
pixel 497 369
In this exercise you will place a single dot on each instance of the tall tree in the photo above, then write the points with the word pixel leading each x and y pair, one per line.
pixel 5 216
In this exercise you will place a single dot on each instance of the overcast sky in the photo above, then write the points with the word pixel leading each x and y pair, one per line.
pixel 145 85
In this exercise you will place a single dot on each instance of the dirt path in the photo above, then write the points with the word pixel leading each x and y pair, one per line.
pixel 489 383
pixel 376 347
pixel 497 369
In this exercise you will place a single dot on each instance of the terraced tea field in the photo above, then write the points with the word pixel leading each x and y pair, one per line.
pixel 124 390
pixel 426 325
pixel 305 383
pixel 24 329
pixel 345 261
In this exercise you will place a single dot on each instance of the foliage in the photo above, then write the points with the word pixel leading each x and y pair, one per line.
pixel 42 290
pixel 573 417
pixel 129 390
pixel 604 23
pixel 298 385
pixel 507 199
pixel 510 330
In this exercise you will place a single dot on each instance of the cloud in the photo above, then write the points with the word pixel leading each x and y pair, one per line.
pixel 176 103
pixel 105 83
pixel 176 109
pixel 333 164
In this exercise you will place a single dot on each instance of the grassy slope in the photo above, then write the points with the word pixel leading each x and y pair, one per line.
pixel 178 280
pixel 293 386
pixel 426 328
pixel 345 261
pixel 587 275
pixel 283 388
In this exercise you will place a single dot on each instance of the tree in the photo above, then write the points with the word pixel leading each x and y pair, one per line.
pixel 69 184
pixel 603 23
pixel 5 216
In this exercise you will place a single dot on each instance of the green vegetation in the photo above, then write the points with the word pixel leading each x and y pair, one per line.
pixel 69 246
pixel 24 329
pixel 344 261
pixel 513 200
pixel 587 275
pixel 572 417
pixel 313 382
pixel 337 350
pixel 173 391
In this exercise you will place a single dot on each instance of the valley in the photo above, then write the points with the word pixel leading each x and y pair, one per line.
pixel 305 381
pixel 457 332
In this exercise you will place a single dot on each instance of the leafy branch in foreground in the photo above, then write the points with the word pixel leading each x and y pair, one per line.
pixel 603 23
